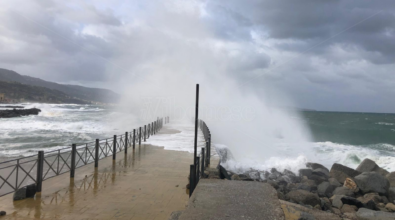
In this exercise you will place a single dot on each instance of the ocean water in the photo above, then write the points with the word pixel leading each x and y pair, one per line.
pixel 56 127
pixel 345 138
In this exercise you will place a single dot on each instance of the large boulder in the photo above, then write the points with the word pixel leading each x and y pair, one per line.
pixel 372 182
pixel 369 165
pixel 325 189
pixel 351 201
pixel 305 172
pixel 370 200
pixel 304 197
pixel 223 173
pixel 367 214
pixel 336 201
pixel 334 182
pixel 391 178
pixel 314 166
pixel 344 191
pixel 341 172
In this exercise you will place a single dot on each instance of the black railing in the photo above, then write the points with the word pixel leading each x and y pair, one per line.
pixel 18 173
pixel 202 161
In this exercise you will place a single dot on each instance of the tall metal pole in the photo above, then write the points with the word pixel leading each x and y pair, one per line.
pixel 196 124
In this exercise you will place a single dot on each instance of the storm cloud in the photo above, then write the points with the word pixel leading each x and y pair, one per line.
pixel 324 55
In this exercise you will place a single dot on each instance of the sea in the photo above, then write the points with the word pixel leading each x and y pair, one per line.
pixel 337 137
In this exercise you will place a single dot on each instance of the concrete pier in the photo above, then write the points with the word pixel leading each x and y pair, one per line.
pixel 146 183
pixel 222 199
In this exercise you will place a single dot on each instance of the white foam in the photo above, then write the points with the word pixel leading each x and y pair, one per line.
pixel 385 123
pixel 182 141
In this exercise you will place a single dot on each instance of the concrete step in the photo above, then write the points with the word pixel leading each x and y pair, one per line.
pixel 223 199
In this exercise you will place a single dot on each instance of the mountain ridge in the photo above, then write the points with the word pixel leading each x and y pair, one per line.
pixel 74 91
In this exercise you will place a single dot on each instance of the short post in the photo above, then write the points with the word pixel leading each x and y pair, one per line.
pixel 134 138
pixel 140 136
pixel 209 150
pixel 97 153
pixel 198 169
pixel 114 148
pixel 126 142
pixel 73 154
pixel 145 133
pixel 40 170
pixel 191 179
pixel 203 164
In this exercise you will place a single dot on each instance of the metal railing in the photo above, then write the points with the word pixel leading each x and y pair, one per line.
pixel 18 173
pixel 202 161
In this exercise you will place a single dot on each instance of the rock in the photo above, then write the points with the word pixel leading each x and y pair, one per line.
pixel 325 204
pixel 350 216
pixel 20 194
pixel 304 197
pixel 235 177
pixel 3 213
pixel 349 183
pixel 18 113
pixel 304 187
pixel 336 211
pixel 351 201
pixel 369 165
pixel 336 201
pixel 391 179
pixel 187 186
pixel 349 208
pixel 298 212
pixel 254 175
pixel 367 214
pixel 391 194
pixel 321 172
pixel 273 183
pixel 314 166
pixel 344 191
pixel 223 173
pixel 325 189
pixel 224 154
pixel 340 172
pixel 370 200
pixel 318 179
pixel 384 199
pixel 291 176
pixel 390 207
pixel 334 182
pixel 372 182
pixel 280 195
pixel 305 172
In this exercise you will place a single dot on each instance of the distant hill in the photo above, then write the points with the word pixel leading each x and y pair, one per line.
pixel 18 91
pixel 74 91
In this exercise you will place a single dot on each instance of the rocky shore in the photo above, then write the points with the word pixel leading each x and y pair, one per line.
pixel 18 112
pixel 367 192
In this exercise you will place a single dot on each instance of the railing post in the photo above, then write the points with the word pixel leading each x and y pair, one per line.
pixel 140 136
pixel 134 138
pixel 149 131
pixel 97 153
pixel 198 170
pixel 152 128
pixel 145 133
pixel 207 153
pixel 191 179
pixel 209 150
pixel 73 154
pixel 40 170
pixel 126 142
pixel 114 148
pixel 203 164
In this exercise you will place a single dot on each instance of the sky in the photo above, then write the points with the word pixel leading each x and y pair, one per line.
pixel 324 55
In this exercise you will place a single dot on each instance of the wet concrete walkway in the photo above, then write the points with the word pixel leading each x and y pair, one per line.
pixel 147 183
